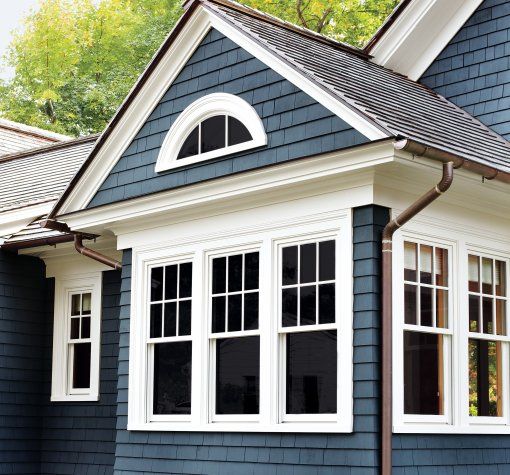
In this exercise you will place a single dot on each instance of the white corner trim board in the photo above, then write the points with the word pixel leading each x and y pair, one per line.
pixel 196 28
pixel 420 33
pixel 200 110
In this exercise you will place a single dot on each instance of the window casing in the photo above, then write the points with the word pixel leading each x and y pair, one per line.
pixel 215 125
pixel 472 365
pixel 239 361
pixel 76 338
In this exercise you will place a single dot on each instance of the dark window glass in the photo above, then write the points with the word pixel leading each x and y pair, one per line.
pixel 426 306
pixel 185 317
pixel 190 145
pixel 172 378
pixel 441 308
pixel 251 311
pixel 308 264
pixel 235 273
pixel 289 307
pixel 213 133
pixel 157 284
pixel 156 316
pixel 327 303
pixel 75 328
pixel 237 375
pixel 81 365
pixel 312 372
pixel 474 313
pixel 218 314
pixel 327 260
pixel 423 373
pixel 219 275
pixel 234 313
pixel 186 271
pixel 171 282
pixel 75 304
pixel 170 327
pixel 289 265
pixel 85 327
pixel 251 271
pixel 487 315
pixel 307 303
pixel 485 378
pixel 237 132
pixel 410 303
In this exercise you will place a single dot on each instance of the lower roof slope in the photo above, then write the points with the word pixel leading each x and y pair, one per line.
pixel 40 175
pixel 399 106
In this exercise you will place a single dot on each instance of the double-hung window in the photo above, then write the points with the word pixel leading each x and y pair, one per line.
pixel 76 338
pixel 451 337
pixel 244 332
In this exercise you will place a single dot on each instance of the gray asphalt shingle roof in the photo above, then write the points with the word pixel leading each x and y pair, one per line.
pixel 40 175
pixel 399 106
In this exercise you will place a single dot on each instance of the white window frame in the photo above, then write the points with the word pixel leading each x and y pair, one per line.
pixel 208 106
pixel 65 287
pixel 265 238
pixel 461 241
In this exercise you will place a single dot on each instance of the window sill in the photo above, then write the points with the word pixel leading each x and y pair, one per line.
pixel 75 398
pixel 290 427
pixel 436 428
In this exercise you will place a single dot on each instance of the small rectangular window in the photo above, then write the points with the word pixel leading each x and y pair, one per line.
pixel 487 302
pixel 426 334
pixel 308 327
pixel 234 337
pixel 170 344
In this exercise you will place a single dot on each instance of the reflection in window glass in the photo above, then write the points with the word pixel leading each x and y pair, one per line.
pixel 485 378
pixel 212 134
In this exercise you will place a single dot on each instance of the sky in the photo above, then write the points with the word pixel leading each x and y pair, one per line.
pixel 13 12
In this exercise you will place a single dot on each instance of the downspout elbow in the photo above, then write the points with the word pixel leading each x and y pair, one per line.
pixel 85 251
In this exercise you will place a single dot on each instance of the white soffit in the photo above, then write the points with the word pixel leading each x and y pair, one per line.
pixel 420 33
pixel 161 78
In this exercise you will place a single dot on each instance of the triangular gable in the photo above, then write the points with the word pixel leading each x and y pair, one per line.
pixel 417 32
pixel 155 82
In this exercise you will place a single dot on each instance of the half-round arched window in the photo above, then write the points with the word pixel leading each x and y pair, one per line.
pixel 214 125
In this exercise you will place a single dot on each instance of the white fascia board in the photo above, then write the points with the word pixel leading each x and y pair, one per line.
pixel 164 75
pixel 15 220
pixel 420 33
pixel 233 189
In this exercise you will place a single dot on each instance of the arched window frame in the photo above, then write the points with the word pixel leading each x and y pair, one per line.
pixel 204 108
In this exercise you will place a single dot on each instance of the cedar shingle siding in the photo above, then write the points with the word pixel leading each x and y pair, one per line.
pixel 272 454
pixel 296 125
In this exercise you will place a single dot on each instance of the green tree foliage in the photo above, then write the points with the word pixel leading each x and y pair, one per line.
pixel 75 60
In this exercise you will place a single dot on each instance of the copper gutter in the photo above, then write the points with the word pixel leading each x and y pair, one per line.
pixel 47 241
pixel 78 243
pixel 387 308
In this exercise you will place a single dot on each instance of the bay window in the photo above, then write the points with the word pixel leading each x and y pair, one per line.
pixel 249 332
pixel 451 343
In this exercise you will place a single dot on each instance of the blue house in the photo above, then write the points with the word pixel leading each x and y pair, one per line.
pixel 284 255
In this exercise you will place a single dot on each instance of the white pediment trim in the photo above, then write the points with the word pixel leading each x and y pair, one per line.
pixel 192 33
pixel 420 33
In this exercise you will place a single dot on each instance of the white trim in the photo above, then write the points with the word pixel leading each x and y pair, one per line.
pixel 199 249
pixel 313 171
pixel 12 221
pixel 208 106
pixel 420 33
pixel 195 29
pixel 461 240
pixel 64 288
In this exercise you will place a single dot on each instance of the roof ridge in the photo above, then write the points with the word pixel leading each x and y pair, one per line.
pixel 26 129
pixel 47 148
pixel 290 26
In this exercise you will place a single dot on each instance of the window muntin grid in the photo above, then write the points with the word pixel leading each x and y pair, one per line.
pixel 79 342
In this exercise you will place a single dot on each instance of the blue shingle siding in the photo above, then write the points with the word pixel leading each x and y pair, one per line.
pixel 473 71
pixel 266 454
pixel 296 125
pixel 79 438
pixel 22 319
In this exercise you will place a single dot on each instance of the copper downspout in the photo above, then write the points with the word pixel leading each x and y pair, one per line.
pixel 387 308
pixel 78 243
